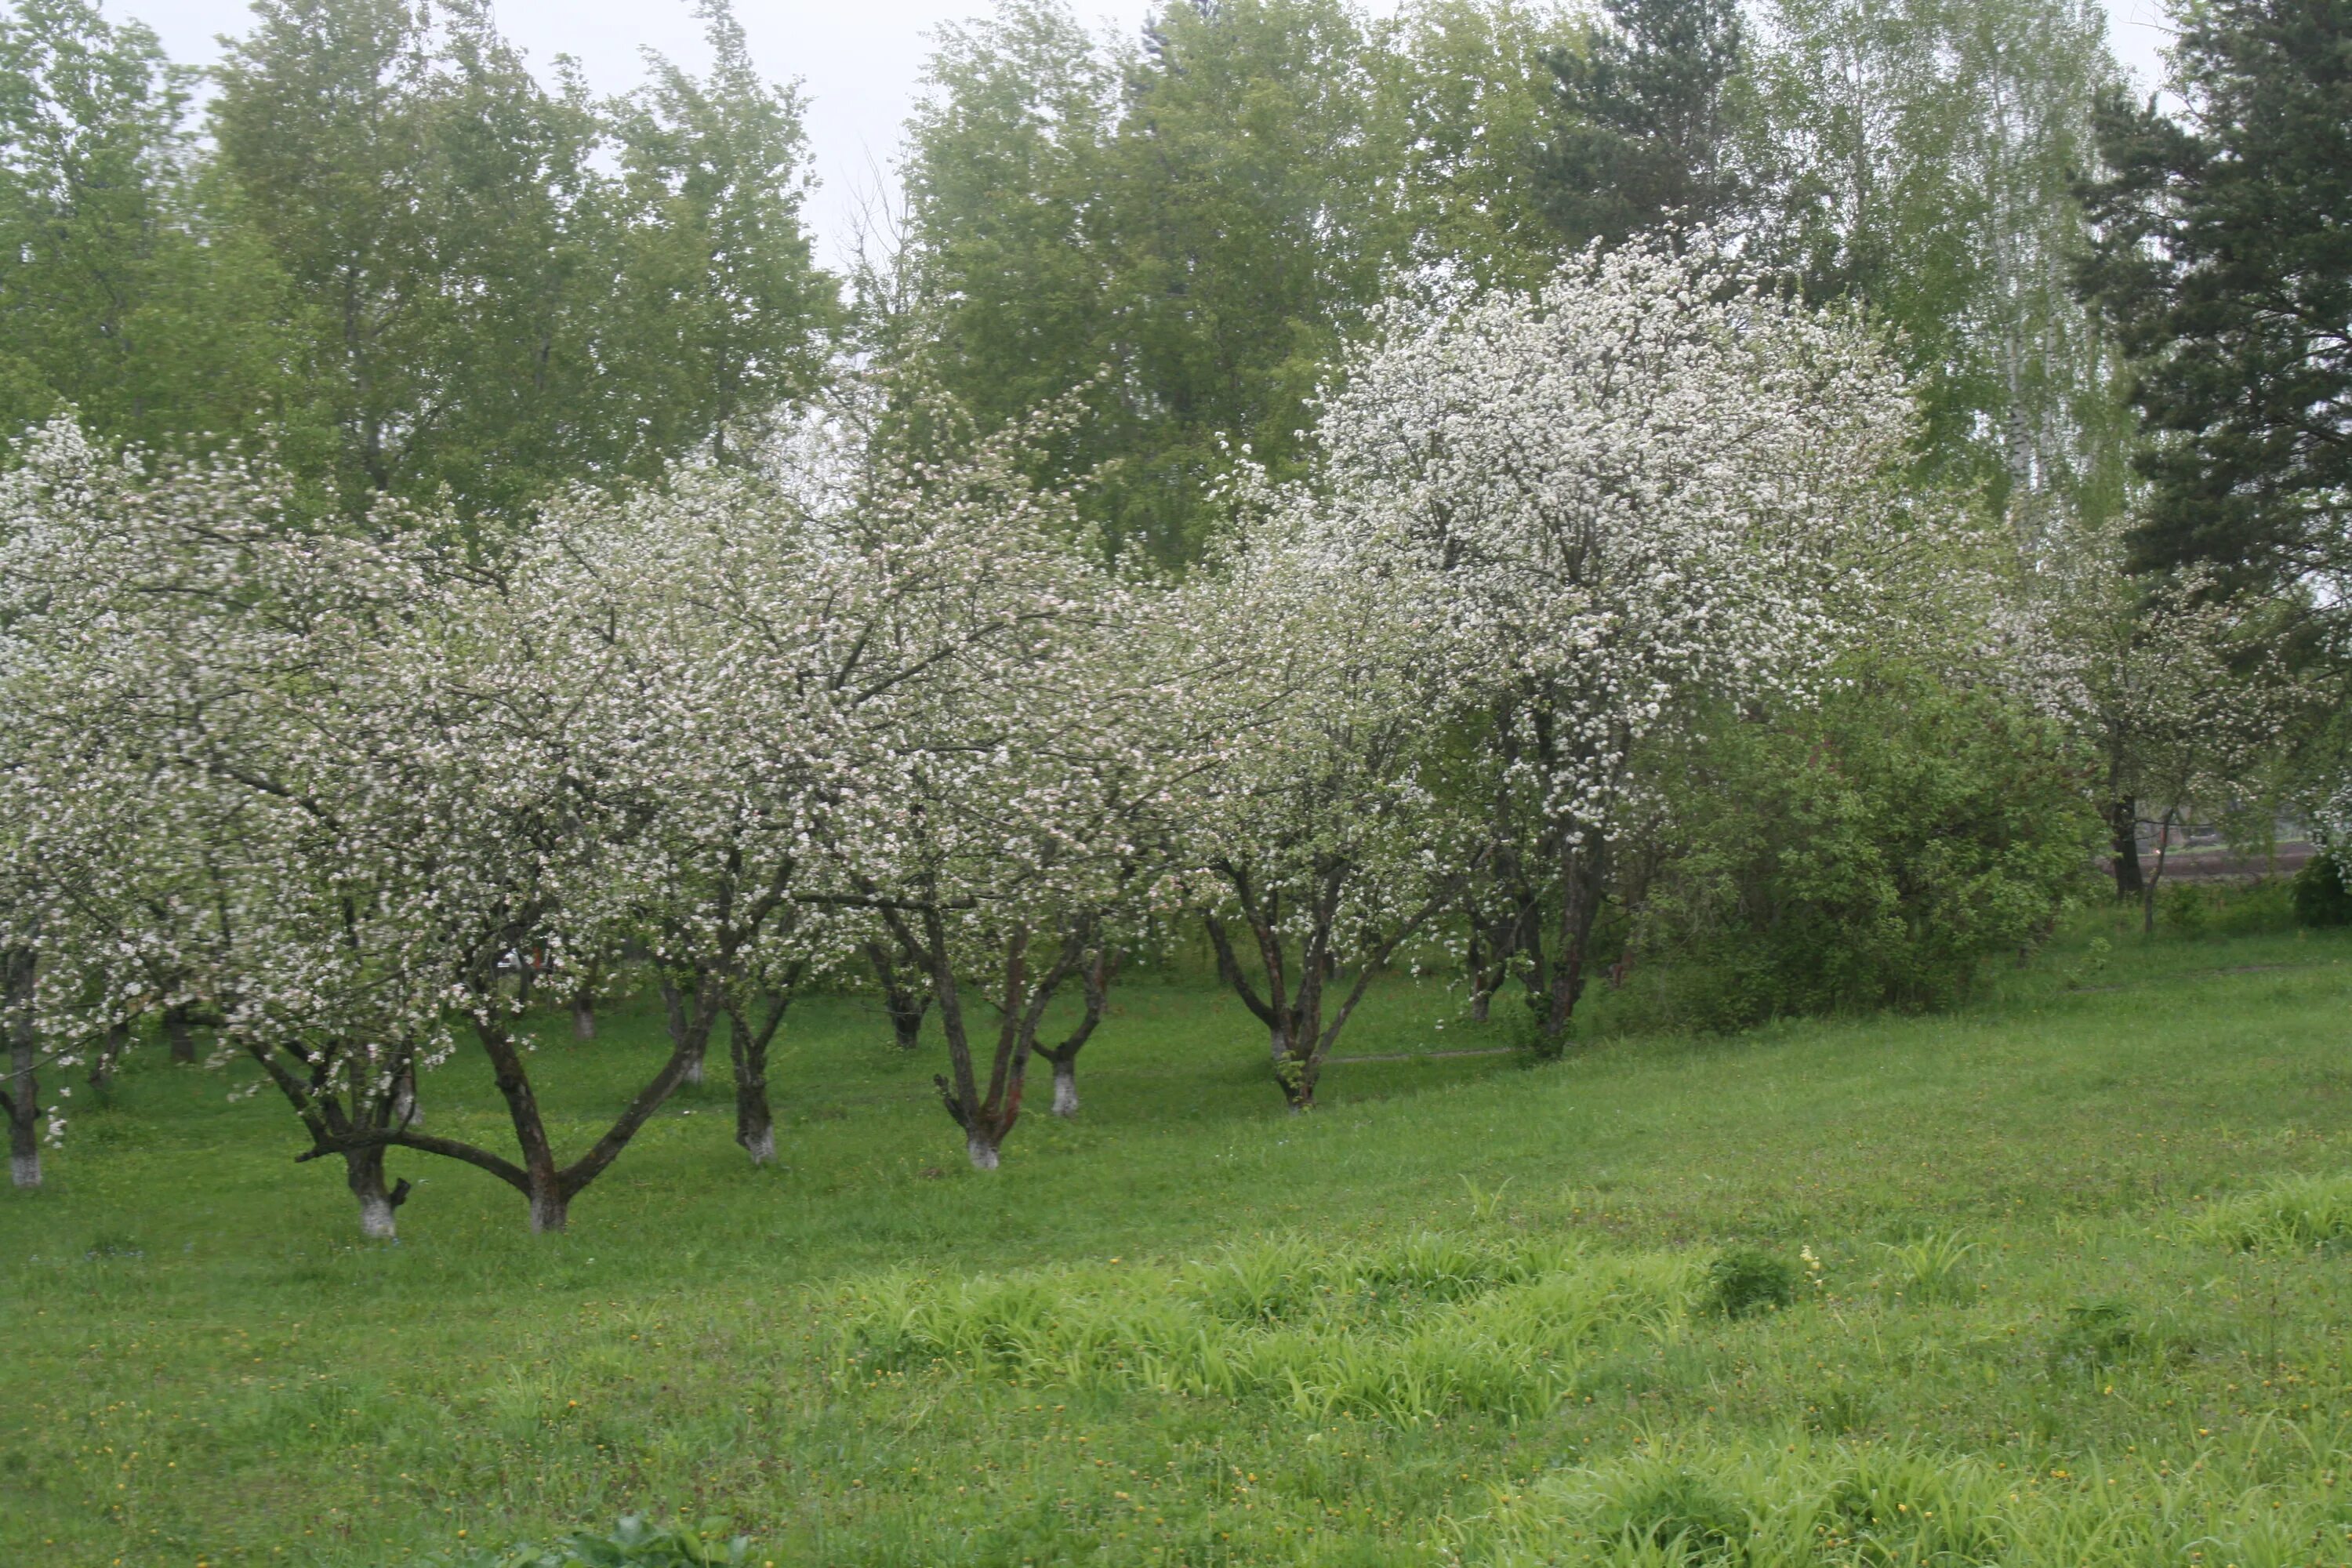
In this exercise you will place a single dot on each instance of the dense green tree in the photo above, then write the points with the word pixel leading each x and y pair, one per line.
pixel 1194 222
pixel 722 314
pixel 484 309
pixel 1917 155
pixel 1648 116
pixel 2224 263
pixel 1870 853
pixel 123 293
pixel 419 191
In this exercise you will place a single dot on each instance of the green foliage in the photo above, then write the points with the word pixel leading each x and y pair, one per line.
pixel 1930 1269
pixel 635 1543
pixel 2221 266
pixel 1647 121
pixel 1875 853
pixel 480 308
pixel 1892 178
pixel 2320 894
pixel 127 290
pixel 2220 909
pixel 1206 218
pixel 1746 1281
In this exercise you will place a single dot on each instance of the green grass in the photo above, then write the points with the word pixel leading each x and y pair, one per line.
pixel 2070 1285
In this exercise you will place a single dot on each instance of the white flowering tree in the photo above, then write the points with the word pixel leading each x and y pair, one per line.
pixel 1034 802
pixel 808 649
pixel 2179 688
pixel 1331 837
pixel 1649 489
pixel 353 780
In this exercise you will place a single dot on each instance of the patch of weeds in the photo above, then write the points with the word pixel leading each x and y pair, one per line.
pixel 1929 1270
pixel 2096 1335
pixel 2295 1215
pixel 1667 1507
pixel 1747 1280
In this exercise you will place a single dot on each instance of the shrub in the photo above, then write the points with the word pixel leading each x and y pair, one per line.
pixel 1870 853
pixel 1746 1280
pixel 2320 894
pixel 2207 908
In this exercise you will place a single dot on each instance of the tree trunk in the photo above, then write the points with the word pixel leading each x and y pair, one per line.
pixel 22 1101
pixel 549 1208
pixel 583 1014
pixel 1579 908
pixel 2123 829
pixel 1065 1089
pixel 109 1052
pixel 2147 894
pixel 405 1112
pixel 180 1033
pixel 981 1147
pixel 363 1172
pixel 755 1123
pixel 1296 1075
pixel 905 1002
pixel 685 1029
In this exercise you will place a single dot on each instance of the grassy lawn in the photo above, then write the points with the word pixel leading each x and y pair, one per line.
pixel 1465 1312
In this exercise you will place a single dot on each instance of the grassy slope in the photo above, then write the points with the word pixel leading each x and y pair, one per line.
pixel 200 1362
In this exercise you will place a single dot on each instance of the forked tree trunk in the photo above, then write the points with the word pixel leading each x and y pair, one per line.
pixel 747 1046
pixel 1299 1037
pixel 1095 970
pixel 364 1174
pixel 987 1115
pixel 22 1099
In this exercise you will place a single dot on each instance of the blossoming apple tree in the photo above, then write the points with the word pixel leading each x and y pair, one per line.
pixel 1648 487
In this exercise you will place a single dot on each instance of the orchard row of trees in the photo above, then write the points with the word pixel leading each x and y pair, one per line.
pixel 316 786
pixel 1496 487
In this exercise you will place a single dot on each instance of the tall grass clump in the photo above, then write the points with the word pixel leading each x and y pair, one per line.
pixel 1399 1332
pixel 2290 1214
pixel 1874 1505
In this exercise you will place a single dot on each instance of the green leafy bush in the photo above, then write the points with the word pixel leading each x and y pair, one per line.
pixel 636 1543
pixel 2321 897
pixel 1870 853
pixel 2223 908
pixel 1745 1282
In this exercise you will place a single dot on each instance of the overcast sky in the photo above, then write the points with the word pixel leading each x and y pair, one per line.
pixel 857 59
